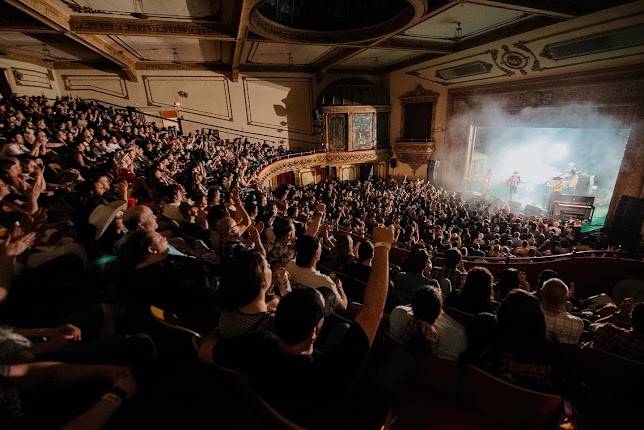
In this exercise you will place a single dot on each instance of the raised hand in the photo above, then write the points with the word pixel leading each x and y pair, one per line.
pixel 383 234
pixel 15 244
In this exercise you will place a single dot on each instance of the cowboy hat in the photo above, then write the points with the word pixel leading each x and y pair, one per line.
pixel 103 215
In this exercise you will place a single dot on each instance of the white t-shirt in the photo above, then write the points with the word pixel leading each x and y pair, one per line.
pixel 171 211
pixel 308 277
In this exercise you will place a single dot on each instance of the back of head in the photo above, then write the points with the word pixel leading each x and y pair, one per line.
pixel 545 275
pixel 637 318
pixel 306 247
pixel 214 214
pixel 426 304
pixel 282 226
pixel 298 313
pixel 132 217
pixel 554 293
pixel 478 285
pixel 522 326
pixel 417 261
pixel 452 257
pixel 507 281
pixel 242 280
pixel 365 251
pixel 135 249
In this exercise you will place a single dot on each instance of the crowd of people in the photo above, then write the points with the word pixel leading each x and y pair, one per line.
pixel 104 215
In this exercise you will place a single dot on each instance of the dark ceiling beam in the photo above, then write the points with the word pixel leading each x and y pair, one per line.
pixel 243 11
pixel 331 57
pixel 52 16
pixel 410 62
pixel 21 56
pixel 418 45
pixel 276 68
pixel 8 24
pixel 137 27
pixel 184 65
pixel 555 9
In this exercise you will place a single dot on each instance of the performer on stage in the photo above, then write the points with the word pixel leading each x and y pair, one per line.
pixel 556 187
pixel 487 182
pixel 513 183
pixel 573 179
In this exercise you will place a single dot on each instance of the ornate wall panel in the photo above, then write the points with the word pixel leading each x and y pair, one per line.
pixel 206 96
pixel 111 85
pixel 338 129
pixel 363 131
pixel 31 78
pixel 294 113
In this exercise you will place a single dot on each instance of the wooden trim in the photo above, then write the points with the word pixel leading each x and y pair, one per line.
pixel 83 24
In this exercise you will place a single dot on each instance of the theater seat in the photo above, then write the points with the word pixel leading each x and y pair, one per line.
pixel 440 375
pixel 508 404
pixel 240 383
pixel 609 389
pixel 172 322
pixel 459 315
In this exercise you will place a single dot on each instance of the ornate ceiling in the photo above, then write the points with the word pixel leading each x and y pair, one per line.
pixel 330 36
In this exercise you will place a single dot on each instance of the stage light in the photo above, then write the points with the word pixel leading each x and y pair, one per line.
pixel 557 151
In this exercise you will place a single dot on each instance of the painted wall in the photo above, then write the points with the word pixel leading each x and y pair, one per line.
pixel 276 107
pixel 30 79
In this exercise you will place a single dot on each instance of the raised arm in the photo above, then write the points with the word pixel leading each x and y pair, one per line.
pixel 375 294
pixel 314 226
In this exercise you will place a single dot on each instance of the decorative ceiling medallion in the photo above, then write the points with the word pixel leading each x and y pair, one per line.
pixel 266 27
pixel 512 59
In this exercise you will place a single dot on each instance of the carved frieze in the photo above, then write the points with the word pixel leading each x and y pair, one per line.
pixel 319 159
pixel 101 25
pixel 414 154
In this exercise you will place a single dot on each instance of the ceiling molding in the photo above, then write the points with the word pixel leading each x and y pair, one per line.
pixel 10 25
pixel 47 13
pixel 523 26
pixel 280 68
pixel 136 27
pixel 534 7
pixel 168 65
pixel 243 9
pixel 418 45
pixel 410 62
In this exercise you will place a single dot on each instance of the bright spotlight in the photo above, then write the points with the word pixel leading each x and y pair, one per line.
pixel 557 151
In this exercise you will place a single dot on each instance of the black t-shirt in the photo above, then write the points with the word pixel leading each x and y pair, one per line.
pixel 306 389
